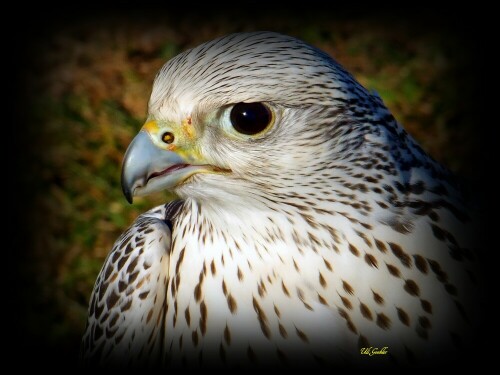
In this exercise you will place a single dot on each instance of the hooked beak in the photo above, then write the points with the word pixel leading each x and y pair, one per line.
pixel 147 168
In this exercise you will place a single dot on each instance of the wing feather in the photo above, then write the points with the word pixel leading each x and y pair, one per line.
pixel 125 323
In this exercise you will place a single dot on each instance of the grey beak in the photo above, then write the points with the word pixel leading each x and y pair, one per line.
pixel 142 159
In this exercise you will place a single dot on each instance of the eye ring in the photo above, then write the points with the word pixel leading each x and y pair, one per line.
pixel 251 118
pixel 168 137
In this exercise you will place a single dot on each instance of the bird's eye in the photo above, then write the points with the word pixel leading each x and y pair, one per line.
pixel 250 118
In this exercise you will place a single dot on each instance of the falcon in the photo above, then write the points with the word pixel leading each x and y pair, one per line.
pixel 310 230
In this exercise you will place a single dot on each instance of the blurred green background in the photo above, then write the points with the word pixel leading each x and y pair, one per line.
pixel 84 83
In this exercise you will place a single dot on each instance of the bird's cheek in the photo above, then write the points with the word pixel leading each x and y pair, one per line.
pixel 188 130
pixel 191 154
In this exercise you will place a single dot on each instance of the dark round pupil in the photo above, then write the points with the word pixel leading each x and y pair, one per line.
pixel 250 118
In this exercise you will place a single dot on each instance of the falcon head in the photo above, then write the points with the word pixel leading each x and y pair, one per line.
pixel 242 116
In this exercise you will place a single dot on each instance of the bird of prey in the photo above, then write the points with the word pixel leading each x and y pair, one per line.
pixel 310 230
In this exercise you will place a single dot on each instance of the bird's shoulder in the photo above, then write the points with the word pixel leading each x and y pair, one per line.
pixel 133 277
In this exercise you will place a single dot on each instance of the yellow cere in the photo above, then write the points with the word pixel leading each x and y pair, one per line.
pixel 184 144
pixel 151 127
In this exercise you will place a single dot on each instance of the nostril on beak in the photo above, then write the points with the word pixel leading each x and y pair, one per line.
pixel 168 137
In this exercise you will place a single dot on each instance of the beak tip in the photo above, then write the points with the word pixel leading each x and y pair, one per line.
pixel 128 195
